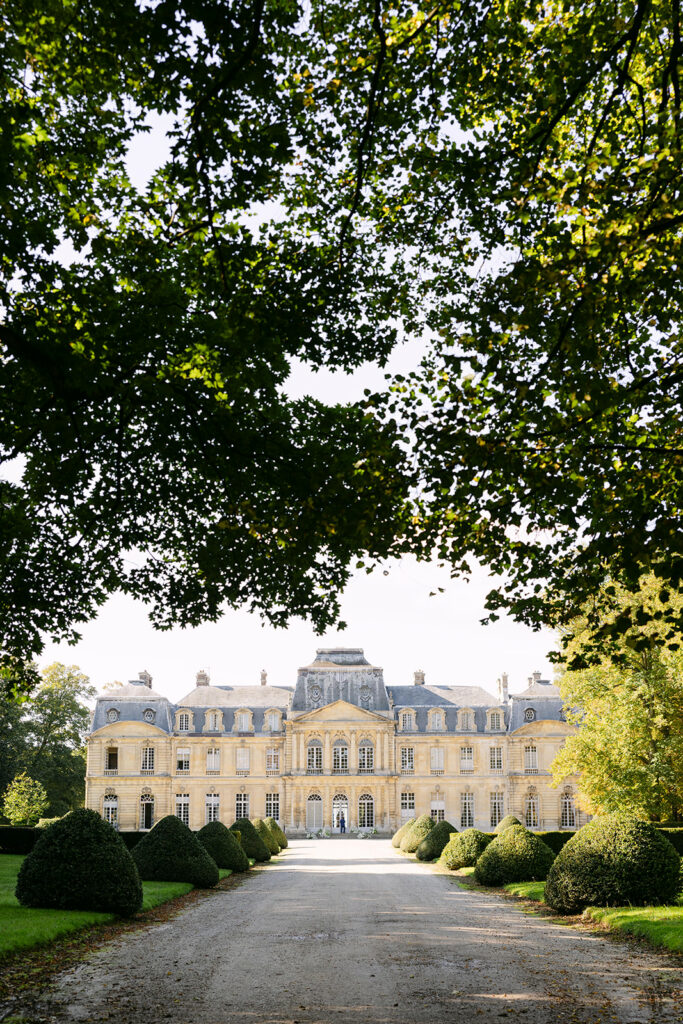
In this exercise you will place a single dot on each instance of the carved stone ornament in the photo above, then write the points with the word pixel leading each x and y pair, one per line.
pixel 315 695
pixel 112 715
pixel 149 715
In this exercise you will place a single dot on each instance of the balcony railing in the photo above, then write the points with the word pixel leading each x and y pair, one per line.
pixel 436 771
pixel 366 771
pixel 111 771
pixel 340 771
pixel 467 769
pixel 146 771
pixel 407 771
pixel 530 771
pixel 242 772
pixel 213 771
pixel 272 771
pixel 182 771
pixel 314 771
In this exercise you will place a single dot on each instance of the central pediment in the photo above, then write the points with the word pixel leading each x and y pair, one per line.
pixel 339 711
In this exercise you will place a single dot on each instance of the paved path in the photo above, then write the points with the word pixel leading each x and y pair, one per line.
pixel 341 931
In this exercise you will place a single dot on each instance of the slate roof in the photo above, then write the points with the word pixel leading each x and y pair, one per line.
pixel 237 697
pixel 441 696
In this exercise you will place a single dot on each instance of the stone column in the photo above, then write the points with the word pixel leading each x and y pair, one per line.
pixel 385 763
pixel 327 755
pixel 353 754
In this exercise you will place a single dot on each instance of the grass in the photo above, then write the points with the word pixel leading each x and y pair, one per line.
pixel 527 890
pixel 662 926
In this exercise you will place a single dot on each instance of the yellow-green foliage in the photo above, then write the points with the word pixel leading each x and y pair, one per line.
pixel 516 855
pixel 398 836
pixel 464 849
pixel 280 837
pixel 266 835
pixel 506 822
pixel 416 833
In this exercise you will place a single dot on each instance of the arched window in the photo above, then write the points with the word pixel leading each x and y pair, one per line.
pixel 110 809
pixel 314 811
pixel 529 715
pixel 366 758
pixel 314 757
pixel 340 808
pixel 146 811
pixel 567 811
pixel 366 811
pixel 531 811
pixel 340 758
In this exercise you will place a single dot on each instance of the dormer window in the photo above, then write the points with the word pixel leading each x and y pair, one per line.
pixel 273 721
pixel 243 721
pixel 466 720
pixel 529 715
pixel 183 722
pixel 495 721
pixel 112 715
pixel 214 721
pixel 407 721
pixel 436 721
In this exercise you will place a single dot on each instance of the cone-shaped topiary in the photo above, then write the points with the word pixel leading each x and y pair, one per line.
pixel 277 832
pixel 433 843
pixel 464 849
pixel 223 846
pixel 398 836
pixel 506 822
pixel 416 833
pixel 266 835
pixel 171 853
pixel 251 841
pixel 80 863
pixel 614 860
pixel 516 855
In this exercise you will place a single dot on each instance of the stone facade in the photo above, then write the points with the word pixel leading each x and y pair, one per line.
pixel 339 741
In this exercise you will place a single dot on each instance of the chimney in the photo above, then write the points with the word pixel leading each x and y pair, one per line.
pixel 145 678
pixel 419 677
pixel 537 677
pixel 264 677
pixel 202 678
pixel 503 689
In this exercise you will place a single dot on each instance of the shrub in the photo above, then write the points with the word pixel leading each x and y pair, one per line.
pixel 18 838
pixel 555 840
pixel 223 846
pixel 675 837
pixel 431 846
pixel 516 855
pixel 171 853
pixel 131 839
pixel 613 860
pixel 506 822
pixel 80 863
pixel 251 841
pixel 266 835
pixel 398 836
pixel 416 833
pixel 44 822
pixel 277 832
pixel 464 849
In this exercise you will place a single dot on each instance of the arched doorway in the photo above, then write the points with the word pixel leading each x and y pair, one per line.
pixel 314 812
pixel 366 811
pixel 340 805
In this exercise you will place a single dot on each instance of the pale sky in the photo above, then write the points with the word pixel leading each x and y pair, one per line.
pixel 390 616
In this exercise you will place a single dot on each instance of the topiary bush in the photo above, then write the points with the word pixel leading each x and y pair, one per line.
pixel 675 837
pixel 464 849
pixel 223 846
pixel 506 822
pixel 80 863
pixel 613 860
pixel 431 846
pixel 266 835
pixel 555 840
pixel 277 832
pixel 171 853
pixel 251 841
pixel 398 836
pixel 418 831
pixel 516 855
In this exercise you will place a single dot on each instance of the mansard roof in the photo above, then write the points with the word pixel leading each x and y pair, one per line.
pixel 441 696
pixel 237 697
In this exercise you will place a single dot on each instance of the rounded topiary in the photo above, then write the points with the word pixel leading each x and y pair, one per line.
pixel 398 836
pixel 612 861
pixel 416 833
pixel 223 846
pixel 516 855
pixel 277 832
pixel 251 841
pixel 506 822
pixel 266 835
pixel 431 846
pixel 464 849
pixel 80 863
pixel 171 853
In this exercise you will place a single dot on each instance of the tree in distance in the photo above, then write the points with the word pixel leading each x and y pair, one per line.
pixel 277 832
pixel 223 846
pixel 169 852
pixel 252 843
pixel 464 849
pixel 24 800
pixel 433 843
pixel 80 863
pixel 506 822
pixel 515 855
pixel 418 831
pixel 266 835
pixel 398 836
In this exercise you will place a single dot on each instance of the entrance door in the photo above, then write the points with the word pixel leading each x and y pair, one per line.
pixel 340 806
pixel 146 811
pixel 314 812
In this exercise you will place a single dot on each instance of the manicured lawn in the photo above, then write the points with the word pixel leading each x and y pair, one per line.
pixel 663 926
pixel 527 890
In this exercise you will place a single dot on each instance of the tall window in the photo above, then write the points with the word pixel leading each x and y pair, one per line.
pixel 314 758
pixel 531 812
pixel 146 811
pixel 495 721
pixel 436 722
pixel 407 806
pixel 340 758
pixel 407 721
pixel 242 760
pixel 496 808
pixel 213 761
pixel 242 805
pixel 437 809
pixel 274 726
pixel 530 761
pixel 466 759
pixel 466 721
pixel 147 763
pixel 273 806
pixel 407 760
pixel 366 811
pixel 366 758
pixel 182 807
pixel 184 723
pixel 496 759
pixel 467 810
pixel 111 810
pixel 243 722
pixel 272 762
pixel 182 763
pixel 111 761
pixel 214 721
pixel 567 811
pixel 436 760
pixel 212 807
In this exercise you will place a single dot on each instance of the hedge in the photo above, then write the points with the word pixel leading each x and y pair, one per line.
pixel 251 841
pixel 277 832
pixel 171 853
pixel 80 863
pixel 223 846
pixel 675 837
pixel 614 860
pixel 464 849
pixel 416 833
pixel 555 840
pixel 131 839
pixel 516 855
pixel 266 835
pixel 18 838
pixel 398 836
pixel 431 846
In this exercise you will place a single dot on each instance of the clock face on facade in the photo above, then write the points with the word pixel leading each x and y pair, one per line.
pixel 149 715
pixel 316 695
pixel 112 715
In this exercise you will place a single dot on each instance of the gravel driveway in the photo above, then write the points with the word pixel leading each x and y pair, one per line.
pixel 348 930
